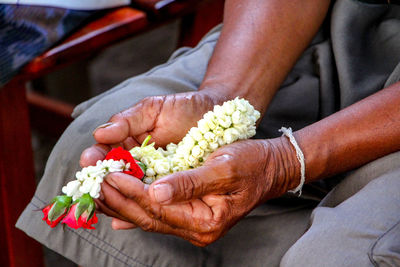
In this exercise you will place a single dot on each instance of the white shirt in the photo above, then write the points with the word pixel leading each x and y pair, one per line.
pixel 71 4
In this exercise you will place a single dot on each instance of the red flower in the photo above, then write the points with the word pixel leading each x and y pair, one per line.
pixel 54 212
pixel 82 221
pixel 46 216
pixel 81 214
pixel 120 153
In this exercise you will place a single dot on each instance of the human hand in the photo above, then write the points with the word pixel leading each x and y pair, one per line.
pixel 166 118
pixel 202 204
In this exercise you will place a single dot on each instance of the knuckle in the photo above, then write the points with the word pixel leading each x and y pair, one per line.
pixel 148 225
pixel 188 184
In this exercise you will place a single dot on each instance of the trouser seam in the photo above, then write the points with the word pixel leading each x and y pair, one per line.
pixel 99 239
pixel 371 251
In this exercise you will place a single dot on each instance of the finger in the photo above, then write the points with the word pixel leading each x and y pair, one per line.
pixel 134 121
pixel 128 208
pixel 92 154
pixel 193 216
pixel 118 224
pixel 107 211
pixel 214 178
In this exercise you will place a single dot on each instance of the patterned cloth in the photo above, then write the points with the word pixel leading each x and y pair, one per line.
pixel 28 31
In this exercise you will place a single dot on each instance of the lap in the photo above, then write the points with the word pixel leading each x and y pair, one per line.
pixel 358 222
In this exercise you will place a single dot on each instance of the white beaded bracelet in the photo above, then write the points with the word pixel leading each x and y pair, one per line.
pixel 300 156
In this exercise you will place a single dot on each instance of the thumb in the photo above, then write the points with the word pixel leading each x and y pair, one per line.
pixel 185 185
pixel 134 121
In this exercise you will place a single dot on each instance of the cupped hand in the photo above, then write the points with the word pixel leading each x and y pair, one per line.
pixel 166 118
pixel 202 204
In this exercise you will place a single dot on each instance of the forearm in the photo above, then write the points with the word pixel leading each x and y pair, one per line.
pixel 353 136
pixel 259 43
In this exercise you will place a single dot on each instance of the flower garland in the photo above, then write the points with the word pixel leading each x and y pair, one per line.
pixel 232 121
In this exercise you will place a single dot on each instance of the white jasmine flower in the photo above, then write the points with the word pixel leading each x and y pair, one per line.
pixel 192 161
pixel 210 137
pixel 71 188
pixel 203 126
pixel 189 141
pixel 213 146
pixel 219 132
pixel 231 135
pixel 86 185
pixel 218 111
pixel 95 190
pixel 225 121
pixel 161 166
pixel 197 152
pixel 195 133
pixel 150 172
pixel 149 179
pixel 237 117
pixel 203 144
pixel 171 148
pixel 229 107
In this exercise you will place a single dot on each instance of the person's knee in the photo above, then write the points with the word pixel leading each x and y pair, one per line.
pixel 330 241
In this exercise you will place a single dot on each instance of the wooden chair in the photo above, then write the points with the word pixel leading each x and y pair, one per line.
pixel 17 182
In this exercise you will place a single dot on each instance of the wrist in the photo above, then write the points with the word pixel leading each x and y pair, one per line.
pixel 224 91
pixel 283 168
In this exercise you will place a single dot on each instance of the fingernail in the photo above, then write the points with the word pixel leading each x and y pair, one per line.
pixel 105 125
pixel 162 192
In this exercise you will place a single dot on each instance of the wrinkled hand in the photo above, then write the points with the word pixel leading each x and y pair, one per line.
pixel 202 204
pixel 166 118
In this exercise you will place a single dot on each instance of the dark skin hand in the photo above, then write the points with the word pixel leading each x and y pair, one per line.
pixel 259 44
pixel 203 203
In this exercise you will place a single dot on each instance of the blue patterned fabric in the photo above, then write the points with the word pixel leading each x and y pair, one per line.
pixel 28 31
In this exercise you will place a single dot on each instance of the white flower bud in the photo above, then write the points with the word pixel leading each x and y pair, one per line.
pixel 209 117
pixel 86 185
pixel 203 144
pixel 149 180
pixel 241 106
pixel 171 148
pixel 213 146
pixel 197 152
pixel 231 135
pixel 192 161
pixel 77 195
pixel 195 133
pixel 225 121
pixel 210 137
pixel 150 172
pixel 95 190
pixel 161 167
pixel 229 107
pixel 236 117
pixel 218 111
pixel 188 141
pixel 71 188
pixel 219 132
pixel 221 141
pixel 203 126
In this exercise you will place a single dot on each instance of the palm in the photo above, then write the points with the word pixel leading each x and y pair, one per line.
pixel 168 118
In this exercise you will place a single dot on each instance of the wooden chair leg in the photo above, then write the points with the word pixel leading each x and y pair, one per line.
pixel 17 182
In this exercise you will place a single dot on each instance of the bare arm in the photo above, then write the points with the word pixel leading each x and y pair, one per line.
pixel 259 44
pixel 364 131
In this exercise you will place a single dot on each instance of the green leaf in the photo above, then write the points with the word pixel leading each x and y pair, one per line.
pixel 142 166
pixel 85 203
pixel 60 205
